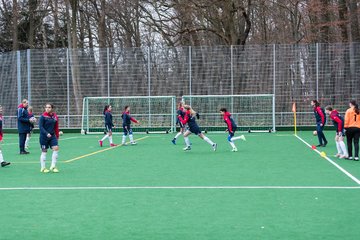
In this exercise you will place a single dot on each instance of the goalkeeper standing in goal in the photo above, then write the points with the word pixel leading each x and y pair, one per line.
pixel 127 119
pixel 189 118
pixel 49 135
pixel 108 126
pixel 231 128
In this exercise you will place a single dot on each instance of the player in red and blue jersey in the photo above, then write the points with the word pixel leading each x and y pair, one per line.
pixel 2 162
pixel 49 135
pixel 231 128
pixel 32 119
pixel 108 126
pixel 320 117
pixel 180 112
pixel 127 119
pixel 338 122
pixel 189 119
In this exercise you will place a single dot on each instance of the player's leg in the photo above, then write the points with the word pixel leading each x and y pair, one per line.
pixel 182 130
pixel 338 148
pixel 55 148
pixel 186 139
pixel 27 140
pixel 356 144
pixel 232 144
pixel 44 145
pixel 125 132
pixel 131 137
pixel 2 162
pixel 349 140
pixel 206 139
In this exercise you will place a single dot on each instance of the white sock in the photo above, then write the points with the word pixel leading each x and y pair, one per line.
pixel 177 135
pixel 124 139
pixel 1 157
pixel 27 141
pixel 42 159
pixel 105 137
pixel 232 144
pixel 131 138
pixel 343 148
pixel 208 140
pixel 54 158
pixel 110 139
pixel 187 141
pixel 236 138
pixel 339 151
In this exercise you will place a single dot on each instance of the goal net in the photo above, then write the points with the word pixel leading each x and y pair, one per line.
pixel 250 112
pixel 156 114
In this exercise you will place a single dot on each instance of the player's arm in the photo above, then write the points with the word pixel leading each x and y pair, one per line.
pixel 347 118
pixel 228 123
pixel 184 120
pixel 57 132
pixel 21 116
pixel 108 121
pixel 133 120
pixel 339 123
pixel 41 126
pixel 321 114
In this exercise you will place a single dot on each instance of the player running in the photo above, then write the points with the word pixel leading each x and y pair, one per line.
pixel 108 126
pixel 180 112
pixel 189 118
pixel 127 119
pixel 2 162
pixel 49 135
pixel 320 122
pixel 231 128
pixel 338 122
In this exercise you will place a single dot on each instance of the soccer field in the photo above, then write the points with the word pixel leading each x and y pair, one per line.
pixel 274 187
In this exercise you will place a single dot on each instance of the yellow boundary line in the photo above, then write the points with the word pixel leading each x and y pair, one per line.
pixel 83 156
pixel 100 151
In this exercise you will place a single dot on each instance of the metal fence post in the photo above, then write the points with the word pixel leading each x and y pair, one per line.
pixel 108 70
pixel 232 76
pixel 274 85
pixel 317 71
pixel 149 86
pixel 18 56
pixel 68 85
pixel 190 75
pixel 28 74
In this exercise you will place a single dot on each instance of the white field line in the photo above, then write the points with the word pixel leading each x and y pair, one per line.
pixel 331 161
pixel 173 187
pixel 37 139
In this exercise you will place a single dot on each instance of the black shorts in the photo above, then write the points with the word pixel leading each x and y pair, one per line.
pixel 195 130
pixel 108 128
pixel 46 142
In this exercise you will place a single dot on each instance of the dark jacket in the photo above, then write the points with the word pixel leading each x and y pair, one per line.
pixel 23 120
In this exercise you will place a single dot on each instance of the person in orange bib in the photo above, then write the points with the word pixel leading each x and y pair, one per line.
pixel 352 127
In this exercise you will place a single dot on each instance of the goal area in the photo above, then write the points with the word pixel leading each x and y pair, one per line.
pixel 250 112
pixel 156 113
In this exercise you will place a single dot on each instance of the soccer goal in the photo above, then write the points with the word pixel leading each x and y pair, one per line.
pixel 156 114
pixel 250 112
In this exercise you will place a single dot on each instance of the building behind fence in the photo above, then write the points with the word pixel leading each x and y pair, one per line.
pixel 294 73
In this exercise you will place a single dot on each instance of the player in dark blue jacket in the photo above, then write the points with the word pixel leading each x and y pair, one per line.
pixel 108 126
pixel 189 119
pixel 320 118
pixel 231 128
pixel 127 119
pixel 338 122
pixel 49 135
pixel 2 162
pixel 23 124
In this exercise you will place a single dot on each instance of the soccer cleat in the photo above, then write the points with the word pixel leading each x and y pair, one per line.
pixel 234 150
pixel 242 137
pixel 214 146
pixel 44 170
pixel 3 164
pixel 187 148
pixel 100 143
pixel 54 169
pixel 174 141
pixel 24 152
pixel 356 159
pixel 350 158
pixel 113 145
pixel 133 143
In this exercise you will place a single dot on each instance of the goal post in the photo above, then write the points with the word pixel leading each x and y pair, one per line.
pixel 155 113
pixel 254 112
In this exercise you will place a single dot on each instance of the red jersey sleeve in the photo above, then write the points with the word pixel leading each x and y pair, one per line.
pixel 321 114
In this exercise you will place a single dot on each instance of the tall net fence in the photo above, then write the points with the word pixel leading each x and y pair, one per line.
pixel 293 73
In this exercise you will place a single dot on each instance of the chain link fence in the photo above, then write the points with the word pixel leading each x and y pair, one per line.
pixel 294 73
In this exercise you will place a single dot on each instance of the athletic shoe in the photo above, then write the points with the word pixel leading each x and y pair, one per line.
pixel 100 143
pixel 343 156
pixel 44 170
pixel 54 169
pixel 124 144
pixel 133 143
pixel 356 159
pixel 24 152
pixel 174 141
pixel 234 150
pixel 214 146
pixel 324 145
pixel 242 137
pixel 350 158
pixel 338 155
pixel 113 145
pixel 3 164
pixel 320 145
pixel 188 148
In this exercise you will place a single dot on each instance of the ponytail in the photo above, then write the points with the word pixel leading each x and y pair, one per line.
pixel 356 106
